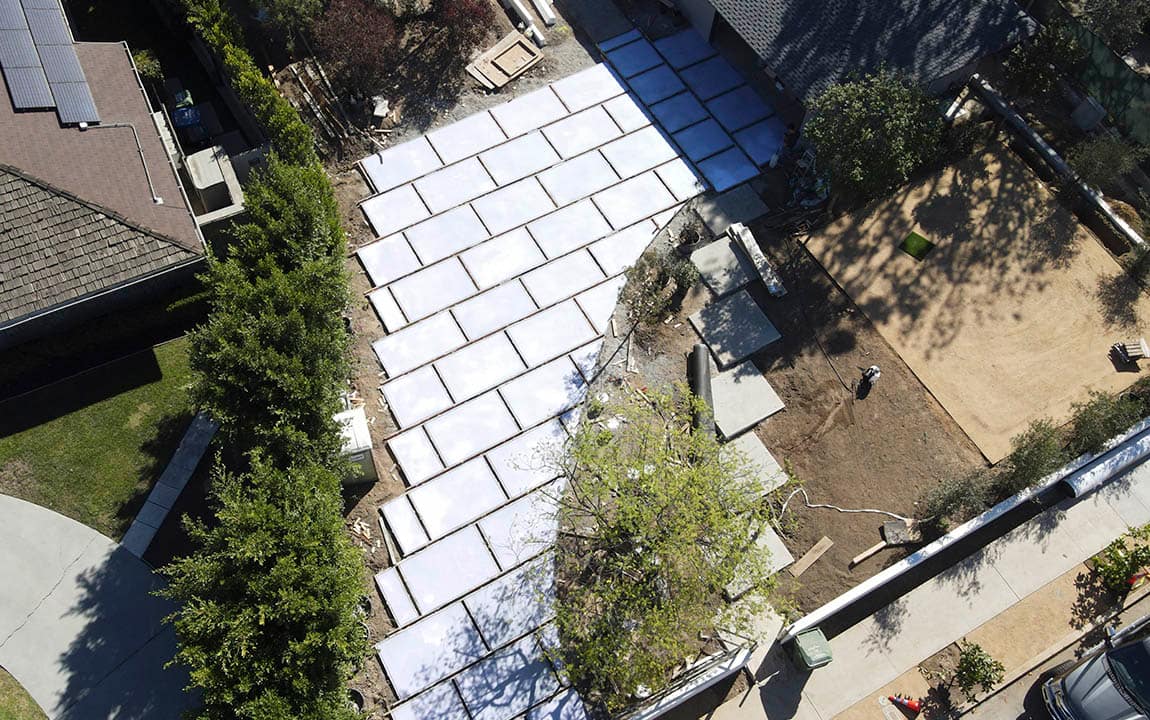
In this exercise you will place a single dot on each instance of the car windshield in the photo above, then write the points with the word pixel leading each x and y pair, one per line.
pixel 1131 666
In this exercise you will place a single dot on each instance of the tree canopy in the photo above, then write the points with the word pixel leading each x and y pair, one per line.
pixel 873 132
pixel 1118 22
pixel 1035 66
pixel 654 524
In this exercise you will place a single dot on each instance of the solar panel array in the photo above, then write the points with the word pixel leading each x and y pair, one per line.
pixel 39 61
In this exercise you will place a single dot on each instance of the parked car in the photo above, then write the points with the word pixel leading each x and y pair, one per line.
pixel 1110 683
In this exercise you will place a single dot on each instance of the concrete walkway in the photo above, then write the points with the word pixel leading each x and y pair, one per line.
pixel 960 602
pixel 79 627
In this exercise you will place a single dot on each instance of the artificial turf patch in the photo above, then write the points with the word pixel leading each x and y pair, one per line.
pixel 916 246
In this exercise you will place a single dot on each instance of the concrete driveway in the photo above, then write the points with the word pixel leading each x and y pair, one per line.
pixel 79 626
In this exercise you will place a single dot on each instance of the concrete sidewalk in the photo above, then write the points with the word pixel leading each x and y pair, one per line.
pixel 961 602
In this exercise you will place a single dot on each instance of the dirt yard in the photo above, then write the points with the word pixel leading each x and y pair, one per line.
pixel 1010 317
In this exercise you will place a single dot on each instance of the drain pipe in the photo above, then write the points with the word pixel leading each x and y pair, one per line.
pixel 84 127
pixel 699 376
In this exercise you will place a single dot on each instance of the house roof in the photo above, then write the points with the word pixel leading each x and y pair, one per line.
pixel 54 247
pixel 812 44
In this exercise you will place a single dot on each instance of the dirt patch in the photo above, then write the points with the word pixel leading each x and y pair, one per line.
pixel 1010 316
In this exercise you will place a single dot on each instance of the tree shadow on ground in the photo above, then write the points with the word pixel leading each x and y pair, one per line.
pixel 1093 601
pixel 158 451
pixel 1117 297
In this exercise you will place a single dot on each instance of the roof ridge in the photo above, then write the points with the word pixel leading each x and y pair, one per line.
pixel 112 214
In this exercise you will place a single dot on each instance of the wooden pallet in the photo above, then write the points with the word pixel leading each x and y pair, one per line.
pixel 506 60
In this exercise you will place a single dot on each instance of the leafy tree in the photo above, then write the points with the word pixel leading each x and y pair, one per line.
pixel 1035 453
pixel 976 668
pixel 1100 418
pixel 292 16
pixel 148 65
pixel 267 617
pixel 1118 22
pixel 873 132
pixel 1102 160
pixel 361 41
pixel 1035 66
pixel 654 525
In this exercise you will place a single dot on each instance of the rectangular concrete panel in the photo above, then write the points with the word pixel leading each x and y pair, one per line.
pixel 529 460
pixel 502 258
pixel 469 429
pixel 514 604
pixel 739 108
pixel 577 178
pixel 571 228
pixel 400 164
pixel 439 500
pixel 587 87
pixel 618 252
pixel 479 366
pixel 416 396
pixel 728 169
pixel 545 392
pixel 525 528
pixel 396 597
pixel 508 682
pixel 681 180
pixel 760 465
pixel 441 702
pixel 627 113
pixel 433 289
pixel 529 112
pixel 723 266
pixel 448 569
pixel 513 206
pixel 394 210
pixel 454 185
pixel 743 398
pixel 548 334
pixel 657 84
pixel 678 112
pixel 639 151
pixel 383 302
pixel 446 234
pixel 495 309
pixel 712 78
pixel 582 132
pixel 418 344
pixel 562 278
pixel 469 136
pixel 415 455
pixel 634 58
pixel 703 140
pixel 388 259
pixel 404 524
pixel 429 650
pixel 519 158
pixel 567 705
pixel 586 358
pixel 684 48
pixel 734 327
pixel 599 302
pixel 636 199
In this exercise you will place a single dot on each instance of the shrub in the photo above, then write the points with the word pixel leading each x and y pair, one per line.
pixel 1103 159
pixel 267 616
pixel 1035 453
pixel 148 65
pixel 655 286
pixel 1128 213
pixel 360 40
pixel 1035 66
pixel 292 16
pixel 1118 22
pixel 1100 418
pixel 873 132
pixel 467 21
pixel 976 668
pixel 1123 558
pixel 956 498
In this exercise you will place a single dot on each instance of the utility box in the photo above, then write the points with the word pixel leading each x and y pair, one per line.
pixel 1088 114
pixel 811 649
pixel 357 446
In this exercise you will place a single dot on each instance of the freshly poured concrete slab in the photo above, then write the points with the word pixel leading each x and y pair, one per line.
pixel 657 84
pixel 626 113
pixel 497 308
pixel 429 650
pixel 599 302
pixel 685 48
pixel 545 392
pixel 678 112
pixel 416 396
pixel 396 597
pixel 681 180
pixel 479 367
pixel 529 460
pixel 519 158
pixel 761 465
pixel 633 200
pixel 441 702
pixel 469 429
pixel 741 204
pixel 418 344
pixel 404 524
pixel 562 278
pixel 447 569
pixel 387 309
pixel 723 266
pixel 523 529
pixel 638 151
pixel 514 604
pixel 618 252
pixel 728 169
pixel 388 259
pixel 551 333
pixel 582 132
pixel 508 682
pixel 743 398
pixel 400 164
pixel 571 228
pixel 587 87
pixel 502 258
pixel 712 78
pixel 513 206
pixel 763 140
pixel 586 358
pixel 734 327
pixel 529 112
pixel 433 289
pixel 739 108
pixel 446 234
pixel 633 58
pixel 577 178
pixel 454 185
pixel 394 210
pixel 567 705
pixel 438 500
pixel 620 40
pixel 415 455
pixel 469 136
pixel 703 140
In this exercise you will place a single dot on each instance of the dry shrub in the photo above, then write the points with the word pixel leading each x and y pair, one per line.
pixel 360 40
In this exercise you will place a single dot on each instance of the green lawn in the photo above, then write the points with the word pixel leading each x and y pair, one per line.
pixel 90 447
pixel 15 703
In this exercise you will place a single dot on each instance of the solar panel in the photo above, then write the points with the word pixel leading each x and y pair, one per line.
pixel 74 103
pixel 48 26
pixel 41 3
pixel 12 15
pixel 17 50
pixel 28 88
pixel 61 64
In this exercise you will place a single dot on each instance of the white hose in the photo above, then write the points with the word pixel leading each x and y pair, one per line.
pixel 807 500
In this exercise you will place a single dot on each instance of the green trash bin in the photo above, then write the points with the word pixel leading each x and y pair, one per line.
pixel 811 649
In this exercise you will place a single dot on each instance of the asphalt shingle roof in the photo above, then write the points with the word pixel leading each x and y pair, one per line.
pixel 811 44
pixel 55 247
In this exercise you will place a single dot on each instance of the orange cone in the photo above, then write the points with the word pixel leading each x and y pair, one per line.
pixel 913 705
